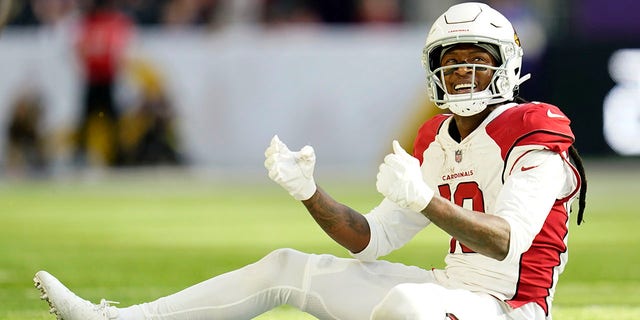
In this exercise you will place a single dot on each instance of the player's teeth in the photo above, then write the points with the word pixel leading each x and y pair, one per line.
pixel 463 86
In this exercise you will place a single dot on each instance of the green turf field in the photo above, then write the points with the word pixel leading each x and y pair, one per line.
pixel 133 238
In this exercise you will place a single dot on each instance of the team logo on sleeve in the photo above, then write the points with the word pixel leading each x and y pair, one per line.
pixel 458 156
pixel 553 115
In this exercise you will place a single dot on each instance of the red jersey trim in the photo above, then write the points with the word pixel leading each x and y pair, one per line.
pixel 528 124
pixel 427 134
pixel 538 264
pixel 578 178
pixel 553 141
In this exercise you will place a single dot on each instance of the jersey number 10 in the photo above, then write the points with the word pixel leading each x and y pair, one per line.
pixel 467 193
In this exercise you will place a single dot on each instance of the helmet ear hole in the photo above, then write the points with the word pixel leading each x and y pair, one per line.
pixel 502 85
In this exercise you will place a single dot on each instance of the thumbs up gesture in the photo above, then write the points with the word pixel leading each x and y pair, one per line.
pixel 400 180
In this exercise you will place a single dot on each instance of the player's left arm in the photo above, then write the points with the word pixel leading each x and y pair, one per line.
pixel 524 202
pixel 483 233
pixel 400 180
pixel 522 206
pixel 535 182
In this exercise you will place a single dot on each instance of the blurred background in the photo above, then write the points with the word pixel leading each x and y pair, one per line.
pixel 106 84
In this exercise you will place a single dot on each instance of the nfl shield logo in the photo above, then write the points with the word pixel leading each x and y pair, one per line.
pixel 458 156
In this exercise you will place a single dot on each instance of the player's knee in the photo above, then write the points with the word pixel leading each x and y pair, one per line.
pixel 281 256
pixel 277 263
pixel 410 301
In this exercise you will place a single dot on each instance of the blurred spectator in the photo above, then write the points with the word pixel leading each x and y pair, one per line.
pixel 172 12
pixel 143 12
pixel 337 11
pixel 189 12
pixel 5 12
pixel 21 14
pixel 35 12
pixel 309 11
pixel 216 12
pixel 25 154
pixel 51 12
pixel 290 11
pixel 104 35
pixel 379 11
pixel 332 11
pixel 147 131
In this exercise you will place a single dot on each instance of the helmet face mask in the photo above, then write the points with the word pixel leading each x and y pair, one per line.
pixel 473 23
pixel 465 104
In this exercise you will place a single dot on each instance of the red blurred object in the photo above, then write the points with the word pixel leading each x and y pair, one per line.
pixel 103 37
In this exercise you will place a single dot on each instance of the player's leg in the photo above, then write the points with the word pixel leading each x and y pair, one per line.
pixel 433 301
pixel 325 286
pixel 66 305
pixel 341 288
pixel 274 280
pixel 244 293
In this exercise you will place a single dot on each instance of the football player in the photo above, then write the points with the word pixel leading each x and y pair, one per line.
pixel 497 173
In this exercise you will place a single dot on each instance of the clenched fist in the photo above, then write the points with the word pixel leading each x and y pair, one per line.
pixel 293 170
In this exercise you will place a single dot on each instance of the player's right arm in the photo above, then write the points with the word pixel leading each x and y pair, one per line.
pixel 384 229
pixel 293 170
pixel 344 225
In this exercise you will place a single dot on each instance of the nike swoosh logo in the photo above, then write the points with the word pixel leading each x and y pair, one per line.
pixel 553 115
pixel 527 168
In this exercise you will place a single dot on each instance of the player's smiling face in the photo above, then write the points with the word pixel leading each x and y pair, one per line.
pixel 460 79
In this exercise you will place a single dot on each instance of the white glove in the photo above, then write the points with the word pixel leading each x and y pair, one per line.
pixel 400 180
pixel 292 170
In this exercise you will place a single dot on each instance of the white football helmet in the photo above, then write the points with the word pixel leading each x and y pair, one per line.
pixel 474 23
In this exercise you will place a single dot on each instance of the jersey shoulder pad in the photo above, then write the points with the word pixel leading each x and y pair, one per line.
pixel 532 123
pixel 427 134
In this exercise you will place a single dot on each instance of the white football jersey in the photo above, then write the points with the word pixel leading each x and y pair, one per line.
pixel 473 173
pixel 513 165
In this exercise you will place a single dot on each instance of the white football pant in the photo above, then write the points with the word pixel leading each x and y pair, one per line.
pixel 326 287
